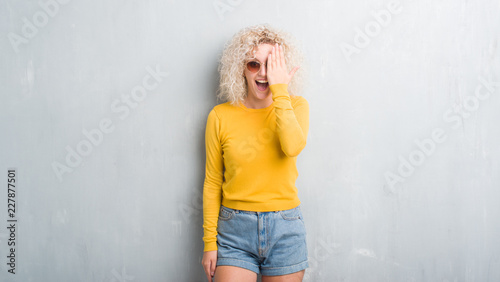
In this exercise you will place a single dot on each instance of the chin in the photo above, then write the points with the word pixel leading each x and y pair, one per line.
pixel 262 94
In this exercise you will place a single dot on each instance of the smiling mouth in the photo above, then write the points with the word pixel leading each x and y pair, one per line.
pixel 262 84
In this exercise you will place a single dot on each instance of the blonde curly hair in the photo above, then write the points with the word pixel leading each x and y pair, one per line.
pixel 240 48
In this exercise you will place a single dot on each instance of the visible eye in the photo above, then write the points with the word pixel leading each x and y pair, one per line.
pixel 254 64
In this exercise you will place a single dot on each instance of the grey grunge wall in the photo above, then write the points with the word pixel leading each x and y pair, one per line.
pixel 103 111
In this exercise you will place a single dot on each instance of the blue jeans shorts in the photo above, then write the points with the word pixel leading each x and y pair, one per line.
pixel 268 243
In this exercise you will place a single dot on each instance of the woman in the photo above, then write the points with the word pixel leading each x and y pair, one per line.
pixel 252 218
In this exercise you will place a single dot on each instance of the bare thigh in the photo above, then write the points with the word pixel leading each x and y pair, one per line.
pixel 228 273
pixel 292 277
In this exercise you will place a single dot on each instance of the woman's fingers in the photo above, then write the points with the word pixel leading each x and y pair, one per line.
pixel 269 63
pixel 212 267
pixel 273 58
pixel 208 274
pixel 282 57
pixel 278 55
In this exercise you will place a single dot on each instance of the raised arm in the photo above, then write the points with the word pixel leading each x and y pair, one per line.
pixel 292 123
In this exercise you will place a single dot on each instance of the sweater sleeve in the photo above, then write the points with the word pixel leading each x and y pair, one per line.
pixel 292 124
pixel 212 188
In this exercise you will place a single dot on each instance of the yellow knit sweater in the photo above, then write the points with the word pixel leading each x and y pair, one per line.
pixel 251 157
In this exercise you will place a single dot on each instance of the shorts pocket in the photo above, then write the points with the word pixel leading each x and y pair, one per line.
pixel 225 213
pixel 291 214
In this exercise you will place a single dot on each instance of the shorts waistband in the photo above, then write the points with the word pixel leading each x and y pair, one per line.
pixel 253 212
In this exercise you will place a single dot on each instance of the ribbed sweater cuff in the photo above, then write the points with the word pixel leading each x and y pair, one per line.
pixel 281 97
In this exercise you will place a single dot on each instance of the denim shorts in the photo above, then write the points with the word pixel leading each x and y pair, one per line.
pixel 267 243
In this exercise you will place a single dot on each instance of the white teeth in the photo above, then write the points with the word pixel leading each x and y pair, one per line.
pixel 262 81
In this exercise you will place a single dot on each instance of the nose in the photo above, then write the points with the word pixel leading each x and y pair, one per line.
pixel 263 70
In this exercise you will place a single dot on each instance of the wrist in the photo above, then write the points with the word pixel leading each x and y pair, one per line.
pixel 279 89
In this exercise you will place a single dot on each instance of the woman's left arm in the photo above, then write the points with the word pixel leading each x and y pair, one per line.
pixel 292 122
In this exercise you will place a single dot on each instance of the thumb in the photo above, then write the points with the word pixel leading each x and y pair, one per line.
pixel 212 268
pixel 292 72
